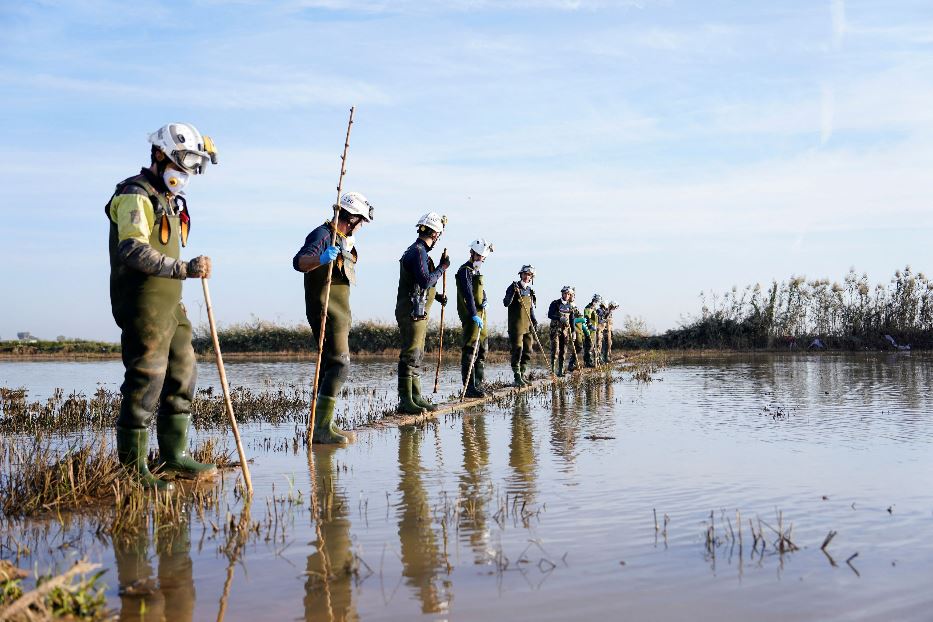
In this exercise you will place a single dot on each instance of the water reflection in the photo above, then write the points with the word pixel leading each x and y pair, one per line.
pixel 330 568
pixel 475 487
pixel 165 592
pixel 564 427
pixel 422 557
pixel 523 461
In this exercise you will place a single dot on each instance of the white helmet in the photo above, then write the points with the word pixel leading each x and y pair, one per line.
pixel 567 288
pixel 530 269
pixel 433 221
pixel 356 204
pixel 613 304
pixel 481 247
pixel 184 145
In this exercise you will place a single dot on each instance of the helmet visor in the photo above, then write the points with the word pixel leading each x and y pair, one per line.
pixel 192 161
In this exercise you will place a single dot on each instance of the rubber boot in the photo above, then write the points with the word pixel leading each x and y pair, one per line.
pixel 417 397
pixel 560 368
pixel 132 448
pixel 522 371
pixel 405 403
pixel 325 431
pixel 471 390
pixel 479 373
pixel 172 433
pixel 517 375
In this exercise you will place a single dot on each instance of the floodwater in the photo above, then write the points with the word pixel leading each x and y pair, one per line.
pixel 590 503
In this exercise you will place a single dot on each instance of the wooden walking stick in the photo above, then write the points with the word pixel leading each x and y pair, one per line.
pixel 440 345
pixel 330 274
pixel 226 388
pixel 479 335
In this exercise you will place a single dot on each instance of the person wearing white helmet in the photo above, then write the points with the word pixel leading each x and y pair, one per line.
pixel 521 300
pixel 592 341
pixel 471 307
pixel 149 224
pixel 312 258
pixel 417 291
pixel 561 313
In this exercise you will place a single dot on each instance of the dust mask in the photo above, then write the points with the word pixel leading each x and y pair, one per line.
pixel 347 242
pixel 175 180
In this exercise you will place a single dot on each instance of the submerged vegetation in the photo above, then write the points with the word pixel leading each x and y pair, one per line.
pixel 852 315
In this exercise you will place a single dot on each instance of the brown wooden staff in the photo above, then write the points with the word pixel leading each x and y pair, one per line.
pixel 330 274
pixel 226 389
pixel 440 345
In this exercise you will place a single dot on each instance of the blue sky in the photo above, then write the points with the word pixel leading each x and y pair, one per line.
pixel 644 150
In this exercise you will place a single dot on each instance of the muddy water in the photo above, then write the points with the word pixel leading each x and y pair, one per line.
pixel 545 509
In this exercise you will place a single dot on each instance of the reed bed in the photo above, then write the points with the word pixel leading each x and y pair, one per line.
pixel 852 314
pixel 45 476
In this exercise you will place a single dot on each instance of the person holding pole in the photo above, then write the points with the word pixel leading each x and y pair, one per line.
pixel 521 300
pixel 592 341
pixel 417 284
pixel 561 314
pixel 312 258
pixel 149 224
pixel 471 307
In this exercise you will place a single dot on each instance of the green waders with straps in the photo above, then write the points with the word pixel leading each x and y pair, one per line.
pixel 520 337
pixel 412 332
pixel 335 357
pixel 591 341
pixel 155 341
pixel 472 333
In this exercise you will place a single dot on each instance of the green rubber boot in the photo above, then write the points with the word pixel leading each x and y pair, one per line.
pixel 132 447
pixel 522 371
pixel 172 433
pixel 517 381
pixel 418 398
pixel 326 431
pixel 405 403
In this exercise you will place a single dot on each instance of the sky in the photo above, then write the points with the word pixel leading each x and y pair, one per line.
pixel 645 150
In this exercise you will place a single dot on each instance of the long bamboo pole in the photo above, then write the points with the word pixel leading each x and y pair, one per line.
pixel 479 335
pixel 440 345
pixel 330 274
pixel 226 388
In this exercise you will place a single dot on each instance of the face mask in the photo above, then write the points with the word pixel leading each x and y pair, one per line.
pixel 347 243
pixel 175 180
pixel 477 264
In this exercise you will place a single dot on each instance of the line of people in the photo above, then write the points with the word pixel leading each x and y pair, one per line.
pixel 149 225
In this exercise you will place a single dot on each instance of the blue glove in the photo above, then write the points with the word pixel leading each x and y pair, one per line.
pixel 328 255
pixel 478 321
pixel 580 320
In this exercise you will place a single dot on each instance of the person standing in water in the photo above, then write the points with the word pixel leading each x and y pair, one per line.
pixel 149 224
pixel 417 284
pixel 521 300
pixel 312 258
pixel 471 307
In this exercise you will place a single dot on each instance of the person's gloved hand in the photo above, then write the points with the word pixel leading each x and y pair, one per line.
pixel 199 267
pixel 445 262
pixel 328 255
pixel 478 321
pixel 441 298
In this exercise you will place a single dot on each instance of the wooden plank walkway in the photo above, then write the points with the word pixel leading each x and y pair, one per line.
pixel 399 419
